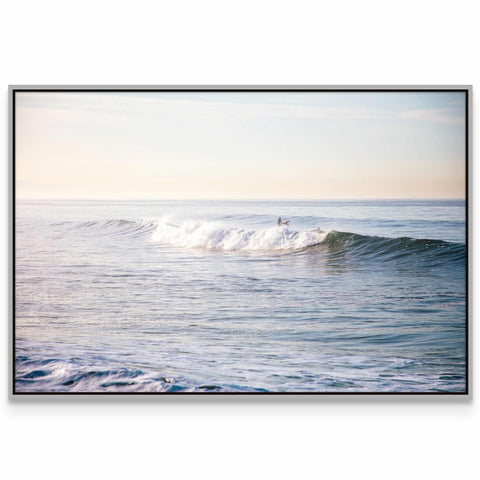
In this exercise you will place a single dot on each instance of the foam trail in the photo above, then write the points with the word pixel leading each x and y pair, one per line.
pixel 213 235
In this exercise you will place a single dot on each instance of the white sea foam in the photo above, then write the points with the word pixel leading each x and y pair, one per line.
pixel 214 235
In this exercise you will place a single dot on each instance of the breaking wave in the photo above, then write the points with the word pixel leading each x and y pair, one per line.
pixel 212 235
pixel 218 236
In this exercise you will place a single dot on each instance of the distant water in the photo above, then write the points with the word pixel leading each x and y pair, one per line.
pixel 351 296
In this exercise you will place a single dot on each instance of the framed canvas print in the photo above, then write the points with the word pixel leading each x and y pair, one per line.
pixel 239 240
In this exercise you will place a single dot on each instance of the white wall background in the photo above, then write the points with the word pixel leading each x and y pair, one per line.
pixel 249 42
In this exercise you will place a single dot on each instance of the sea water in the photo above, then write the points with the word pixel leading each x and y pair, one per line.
pixel 181 296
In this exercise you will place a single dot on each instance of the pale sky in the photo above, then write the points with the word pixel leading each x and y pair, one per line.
pixel 280 145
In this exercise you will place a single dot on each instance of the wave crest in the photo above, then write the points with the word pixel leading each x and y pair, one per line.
pixel 218 236
pixel 212 235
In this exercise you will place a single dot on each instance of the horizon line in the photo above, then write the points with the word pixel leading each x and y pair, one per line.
pixel 240 199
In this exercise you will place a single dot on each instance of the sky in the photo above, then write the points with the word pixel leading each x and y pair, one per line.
pixel 240 145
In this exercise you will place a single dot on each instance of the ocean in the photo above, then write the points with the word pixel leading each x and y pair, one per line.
pixel 214 296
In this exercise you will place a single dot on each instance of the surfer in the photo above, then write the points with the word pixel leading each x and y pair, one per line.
pixel 280 222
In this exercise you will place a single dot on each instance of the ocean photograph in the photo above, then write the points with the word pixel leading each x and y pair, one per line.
pixel 240 242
